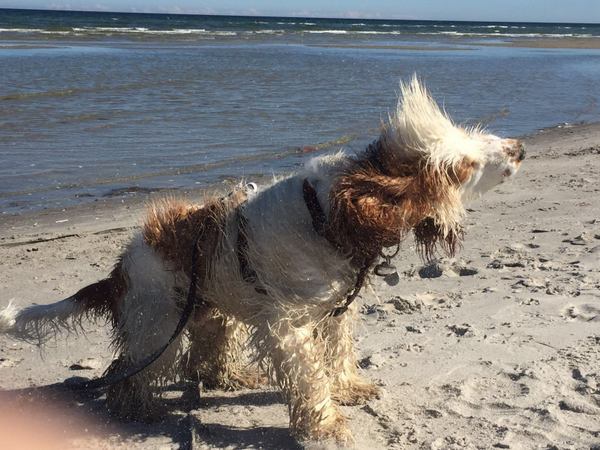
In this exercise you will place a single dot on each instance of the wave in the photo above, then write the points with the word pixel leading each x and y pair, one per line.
pixel 119 30
pixel 297 28
pixel 142 30
pixel 327 31
pixel 21 30
pixel 378 32
pixel 266 32
pixel 516 35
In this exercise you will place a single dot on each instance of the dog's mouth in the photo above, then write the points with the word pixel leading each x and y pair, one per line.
pixel 522 153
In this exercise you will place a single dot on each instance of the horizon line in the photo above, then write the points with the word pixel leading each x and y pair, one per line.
pixel 290 17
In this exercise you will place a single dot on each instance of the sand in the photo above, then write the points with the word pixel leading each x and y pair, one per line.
pixel 581 43
pixel 499 348
pixel 562 42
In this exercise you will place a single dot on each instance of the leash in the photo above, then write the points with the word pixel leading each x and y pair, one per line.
pixel 191 302
pixel 319 222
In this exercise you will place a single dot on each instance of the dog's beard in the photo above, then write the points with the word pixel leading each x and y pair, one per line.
pixel 429 236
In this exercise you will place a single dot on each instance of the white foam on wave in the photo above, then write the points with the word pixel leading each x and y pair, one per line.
pixel 377 32
pixel 266 32
pixel 327 31
pixel 20 30
pixel 500 34
pixel 119 30
pixel 142 30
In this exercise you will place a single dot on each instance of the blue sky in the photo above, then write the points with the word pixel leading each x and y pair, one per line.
pixel 509 10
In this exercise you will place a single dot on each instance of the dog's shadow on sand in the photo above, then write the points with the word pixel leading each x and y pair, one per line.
pixel 80 415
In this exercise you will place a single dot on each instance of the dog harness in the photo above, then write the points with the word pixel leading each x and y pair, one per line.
pixel 193 300
pixel 319 222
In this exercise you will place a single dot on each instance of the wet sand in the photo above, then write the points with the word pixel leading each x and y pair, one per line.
pixel 499 348
pixel 566 42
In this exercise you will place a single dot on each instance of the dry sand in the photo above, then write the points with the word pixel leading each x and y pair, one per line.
pixel 499 348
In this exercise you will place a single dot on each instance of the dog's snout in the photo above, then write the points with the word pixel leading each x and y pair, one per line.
pixel 514 150
pixel 522 152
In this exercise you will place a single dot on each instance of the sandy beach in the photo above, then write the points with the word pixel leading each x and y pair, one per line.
pixel 499 348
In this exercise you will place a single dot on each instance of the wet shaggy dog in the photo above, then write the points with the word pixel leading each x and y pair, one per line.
pixel 278 268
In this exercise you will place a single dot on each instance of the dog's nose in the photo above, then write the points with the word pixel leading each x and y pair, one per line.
pixel 521 155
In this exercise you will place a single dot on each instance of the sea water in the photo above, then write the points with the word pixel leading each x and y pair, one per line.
pixel 101 104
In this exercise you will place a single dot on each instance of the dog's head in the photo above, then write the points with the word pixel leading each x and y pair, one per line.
pixel 420 173
pixel 421 135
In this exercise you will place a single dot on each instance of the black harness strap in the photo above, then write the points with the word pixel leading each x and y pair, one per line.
pixel 319 221
pixel 248 273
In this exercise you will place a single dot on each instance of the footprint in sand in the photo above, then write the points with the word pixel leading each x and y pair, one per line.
pixel 448 268
pixel 584 313
pixel 5 362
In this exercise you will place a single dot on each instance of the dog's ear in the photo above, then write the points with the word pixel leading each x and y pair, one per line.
pixel 370 210
pixel 429 236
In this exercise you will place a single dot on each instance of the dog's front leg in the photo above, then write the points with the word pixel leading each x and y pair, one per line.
pixel 348 386
pixel 216 356
pixel 298 366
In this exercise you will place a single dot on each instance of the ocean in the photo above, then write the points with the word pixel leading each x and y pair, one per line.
pixel 94 105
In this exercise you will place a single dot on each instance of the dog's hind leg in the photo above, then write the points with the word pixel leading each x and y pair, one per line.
pixel 216 354
pixel 297 364
pixel 349 387
pixel 148 316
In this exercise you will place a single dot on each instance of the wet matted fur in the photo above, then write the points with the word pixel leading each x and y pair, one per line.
pixel 269 280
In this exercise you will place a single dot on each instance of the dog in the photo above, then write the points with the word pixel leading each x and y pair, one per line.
pixel 278 267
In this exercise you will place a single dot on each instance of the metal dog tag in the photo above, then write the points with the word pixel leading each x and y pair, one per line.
pixel 385 269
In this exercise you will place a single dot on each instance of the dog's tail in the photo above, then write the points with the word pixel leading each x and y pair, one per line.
pixel 39 322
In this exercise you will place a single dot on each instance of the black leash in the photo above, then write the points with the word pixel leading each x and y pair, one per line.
pixel 191 302
pixel 319 221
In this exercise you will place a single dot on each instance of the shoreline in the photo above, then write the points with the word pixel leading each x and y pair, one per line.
pixel 408 41
pixel 126 207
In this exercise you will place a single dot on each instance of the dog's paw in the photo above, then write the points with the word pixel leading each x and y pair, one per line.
pixel 251 378
pixel 333 429
pixel 240 378
pixel 133 405
pixel 358 392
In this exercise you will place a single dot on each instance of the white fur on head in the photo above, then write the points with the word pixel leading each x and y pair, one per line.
pixel 419 129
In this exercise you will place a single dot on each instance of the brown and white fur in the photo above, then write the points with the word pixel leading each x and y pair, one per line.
pixel 416 178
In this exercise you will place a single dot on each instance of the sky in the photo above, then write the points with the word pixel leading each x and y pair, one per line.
pixel 493 10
